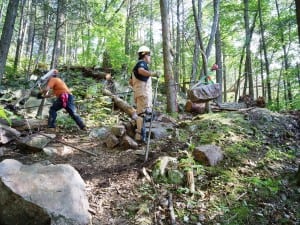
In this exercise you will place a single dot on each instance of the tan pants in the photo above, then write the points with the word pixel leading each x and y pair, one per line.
pixel 143 101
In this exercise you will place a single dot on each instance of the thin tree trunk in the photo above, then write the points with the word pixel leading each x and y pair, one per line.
pixel 57 38
pixel 297 2
pixel 196 54
pixel 288 89
pixel 238 81
pixel 184 80
pixel 20 36
pixel 41 56
pixel 214 28
pixel 219 62
pixel 224 78
pixel 248 62
pixel 267 65
pixel 198 33
pixel 178 41
pixel 169 77
pixel 30 42
pixel 195 62
pixel 261 72
pixel 7 33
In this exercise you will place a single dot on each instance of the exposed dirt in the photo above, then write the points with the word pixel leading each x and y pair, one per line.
pixel 111 177
pixel 114 176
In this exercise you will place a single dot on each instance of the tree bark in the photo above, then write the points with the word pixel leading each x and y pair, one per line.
pixel 198 33
pixel 297 2
pixel 121 104
pixel 20 36
pixel 168 72
pixel 248 62
pixel 264 47
pixel 57 38
pixel 219 77
pixel 7 33
pixel 288 89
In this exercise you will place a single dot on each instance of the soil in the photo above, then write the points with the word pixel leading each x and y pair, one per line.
pixel 112 178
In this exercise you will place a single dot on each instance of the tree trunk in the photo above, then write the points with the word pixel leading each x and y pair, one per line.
pixel 121 104
pixel 248 66
pixel 182 46
pixel 195 62
pixel 7 33
pixel 297 2
pixel 219 77
pixel 198 33
pixel 169 77
pixel 20 36
pixel 262 32
pixel 58 33
pixel 224 72
pixel 196 54
pixel 214 28
pixel 288 89
pixel 31 36
pixel 177 53
pixel 42 50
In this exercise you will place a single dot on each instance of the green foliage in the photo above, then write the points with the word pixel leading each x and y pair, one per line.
pixel 278 155
pixel 65 121
pixel 295 104
pixel 188 163
pixel 263 185
pixel 3 115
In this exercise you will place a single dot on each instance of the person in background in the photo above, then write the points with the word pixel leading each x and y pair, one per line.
pixel 64 99
pixel 142 86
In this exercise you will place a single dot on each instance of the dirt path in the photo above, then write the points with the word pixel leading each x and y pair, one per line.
pixel 111 177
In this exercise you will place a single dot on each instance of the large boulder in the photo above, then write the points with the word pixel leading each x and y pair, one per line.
pixel 42 194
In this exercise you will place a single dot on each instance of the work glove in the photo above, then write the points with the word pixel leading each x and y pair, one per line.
pixel 155 74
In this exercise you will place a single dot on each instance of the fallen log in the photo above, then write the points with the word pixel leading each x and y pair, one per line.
pixel 120 103
pixel 98 75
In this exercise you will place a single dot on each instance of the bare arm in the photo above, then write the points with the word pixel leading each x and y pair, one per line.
pixel 144 72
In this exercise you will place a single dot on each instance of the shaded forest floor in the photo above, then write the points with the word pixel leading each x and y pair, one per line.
pixel 254 184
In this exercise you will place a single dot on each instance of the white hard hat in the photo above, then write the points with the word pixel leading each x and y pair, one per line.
pixel 143 49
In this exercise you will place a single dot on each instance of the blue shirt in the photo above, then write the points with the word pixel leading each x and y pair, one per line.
pixel 140 64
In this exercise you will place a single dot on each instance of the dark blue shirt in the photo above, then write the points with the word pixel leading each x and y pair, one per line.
pixel 140 64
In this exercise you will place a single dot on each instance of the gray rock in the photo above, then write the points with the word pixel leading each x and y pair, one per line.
pixel 38 194
pixel 34 142
pixel 208 154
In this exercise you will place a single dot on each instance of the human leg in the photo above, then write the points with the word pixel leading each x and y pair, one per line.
pixel 71 109
pixel 57 105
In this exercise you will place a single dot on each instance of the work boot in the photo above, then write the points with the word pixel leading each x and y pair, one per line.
pixel 84 128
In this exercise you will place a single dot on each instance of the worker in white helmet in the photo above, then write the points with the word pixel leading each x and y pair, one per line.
pixel 142 87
